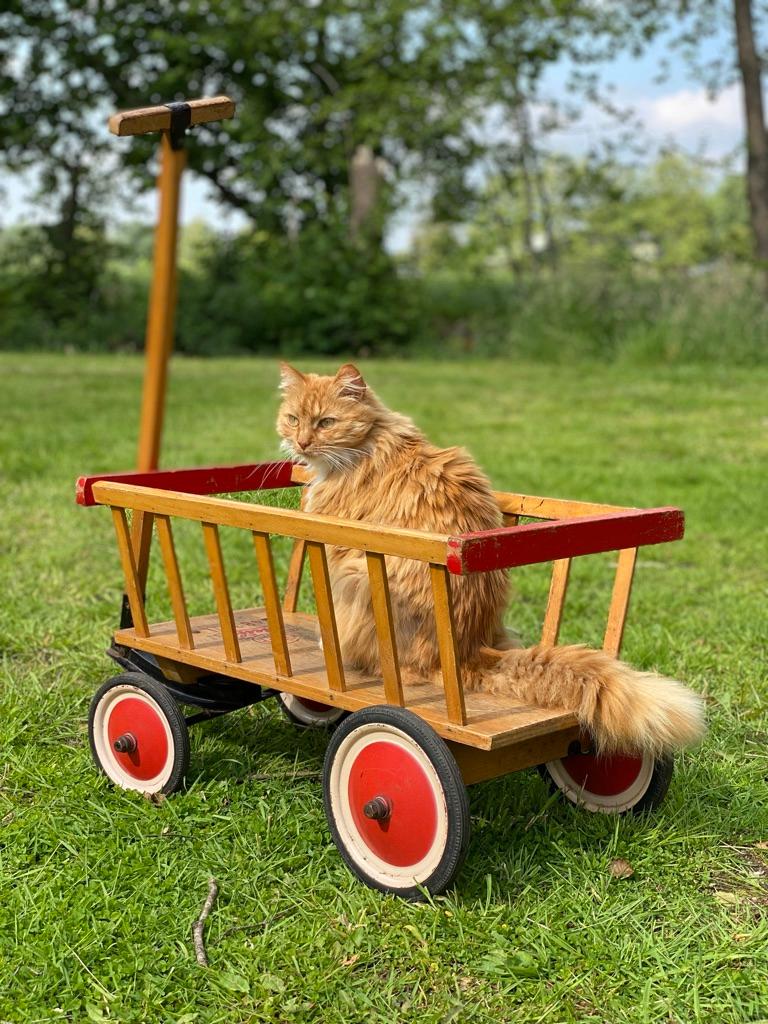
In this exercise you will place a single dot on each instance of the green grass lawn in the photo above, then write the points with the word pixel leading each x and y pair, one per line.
pixel 99 888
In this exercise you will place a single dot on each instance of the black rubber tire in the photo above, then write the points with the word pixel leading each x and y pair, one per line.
pixel 451 785
pixel 651 797
pixel 166 706
pixel 305 721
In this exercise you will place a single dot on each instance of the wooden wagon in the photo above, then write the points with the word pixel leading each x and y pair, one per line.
pixel 399 758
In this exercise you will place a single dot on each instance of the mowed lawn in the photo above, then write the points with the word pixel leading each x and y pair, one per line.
pixel 99 888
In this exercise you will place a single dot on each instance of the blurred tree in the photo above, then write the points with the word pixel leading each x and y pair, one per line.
pixel 320 84
pixel 672 215
pixel 743 22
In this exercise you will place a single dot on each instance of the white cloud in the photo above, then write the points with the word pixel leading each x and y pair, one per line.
pixel 692 119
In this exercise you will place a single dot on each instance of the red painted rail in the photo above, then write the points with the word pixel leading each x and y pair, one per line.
pixel 251 476
pixel 544 542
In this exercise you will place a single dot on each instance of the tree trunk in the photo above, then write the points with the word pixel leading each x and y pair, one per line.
pixel 524 155
pixel 364 184
pixel 757 139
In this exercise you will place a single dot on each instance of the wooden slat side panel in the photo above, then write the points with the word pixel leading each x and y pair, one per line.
pixel 249 476
pixel 446 638
pixel 387 540
pixel 132 584
pixel 221 591
pixel 175 587
pixel 622 589
pixel 558 586
pixel 272 603
pixel 321 581
pixel 385 629
pixel 295 572
pixel 546 542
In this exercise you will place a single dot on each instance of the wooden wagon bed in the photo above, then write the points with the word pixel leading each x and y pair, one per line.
pixel 277 646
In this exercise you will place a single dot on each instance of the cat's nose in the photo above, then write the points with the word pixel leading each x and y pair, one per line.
pixel 303 443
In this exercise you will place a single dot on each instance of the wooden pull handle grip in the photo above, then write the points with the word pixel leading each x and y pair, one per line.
pixel 158 119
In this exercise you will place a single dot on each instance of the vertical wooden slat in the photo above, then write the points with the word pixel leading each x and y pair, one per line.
pixel 132 584
pixel 295 569
pixel 321 581
pixel 141 539
pixel 617 613
pixel 510 519
pixel 385 628
pixel 558 586
pixel 221 592
pixel 175 588
pixel 446 639
pixel 272 603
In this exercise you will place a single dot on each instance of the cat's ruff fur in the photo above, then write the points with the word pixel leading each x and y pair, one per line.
pixel 374 465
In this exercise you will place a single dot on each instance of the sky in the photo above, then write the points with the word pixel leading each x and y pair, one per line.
pixel 676 110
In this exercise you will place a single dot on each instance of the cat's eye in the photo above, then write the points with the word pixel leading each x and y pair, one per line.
pixel 326 421
pixel 293 420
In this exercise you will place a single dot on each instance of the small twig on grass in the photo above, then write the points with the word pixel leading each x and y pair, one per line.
pixel 197 927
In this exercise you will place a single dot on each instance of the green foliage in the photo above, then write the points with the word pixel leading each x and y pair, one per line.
pixel 648 265
pixel 313 81
pixel 716 316
pixel 672 214
pixel 319 293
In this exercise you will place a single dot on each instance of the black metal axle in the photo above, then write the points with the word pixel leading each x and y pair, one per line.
pixel 378 809
pixel 125 744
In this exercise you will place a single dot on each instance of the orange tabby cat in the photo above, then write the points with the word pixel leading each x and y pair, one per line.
pixel 374 465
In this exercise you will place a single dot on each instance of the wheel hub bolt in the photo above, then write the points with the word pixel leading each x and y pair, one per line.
pixel 378 809
pixel 125 744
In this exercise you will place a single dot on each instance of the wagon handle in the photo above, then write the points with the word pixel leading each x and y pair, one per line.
pixel 169 117
pixel 172 120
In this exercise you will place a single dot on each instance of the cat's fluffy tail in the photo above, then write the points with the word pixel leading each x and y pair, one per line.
pixel 623 709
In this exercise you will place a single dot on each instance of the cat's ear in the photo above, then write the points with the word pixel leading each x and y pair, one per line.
pixel 290 377
pixel 351 381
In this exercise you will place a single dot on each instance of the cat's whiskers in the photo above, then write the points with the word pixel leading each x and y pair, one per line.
pixel 339 458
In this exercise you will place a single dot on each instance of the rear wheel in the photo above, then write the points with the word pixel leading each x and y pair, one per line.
pixel 309 714
pixel 396 802
pixel 611 783
pixel 138 734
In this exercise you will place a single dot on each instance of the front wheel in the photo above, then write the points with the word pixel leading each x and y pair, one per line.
pixel 611 783
pixel 138 734
pixel 396 802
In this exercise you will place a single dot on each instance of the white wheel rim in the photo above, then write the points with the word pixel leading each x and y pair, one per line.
pixel 603 803
pixel 108 758
pixel 309 716
pixel 382 871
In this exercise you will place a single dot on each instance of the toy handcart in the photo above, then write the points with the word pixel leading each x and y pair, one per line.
pixel 397 763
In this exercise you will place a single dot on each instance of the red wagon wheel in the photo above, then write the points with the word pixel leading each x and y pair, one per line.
pixel 396 802
pixel 611 783
pixel 309 714
pixel 138 735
